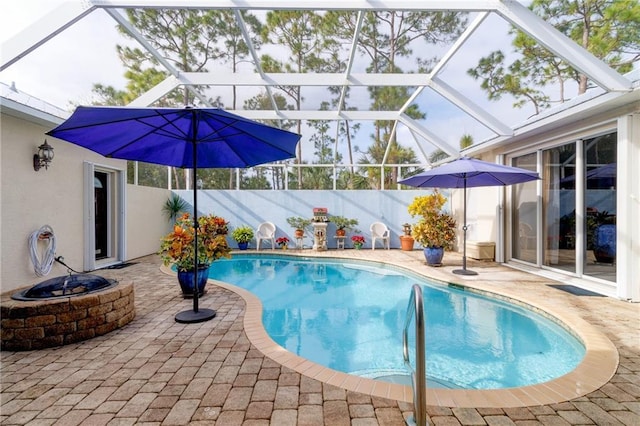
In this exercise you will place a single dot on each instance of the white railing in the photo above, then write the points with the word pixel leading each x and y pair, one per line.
pixel 288 170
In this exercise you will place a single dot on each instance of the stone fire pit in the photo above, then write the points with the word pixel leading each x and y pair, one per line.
pixel 28 325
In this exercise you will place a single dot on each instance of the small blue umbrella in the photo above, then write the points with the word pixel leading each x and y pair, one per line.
pixel 180 137
pixel 466 173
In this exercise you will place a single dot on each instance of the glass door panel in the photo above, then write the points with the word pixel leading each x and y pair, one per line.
pixel 600 206
pixel 525 228
pixel 559 207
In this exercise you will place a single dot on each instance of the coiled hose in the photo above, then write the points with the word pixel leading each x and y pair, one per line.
pixel 42 262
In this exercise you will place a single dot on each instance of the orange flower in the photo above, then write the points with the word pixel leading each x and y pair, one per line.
pixel 177 247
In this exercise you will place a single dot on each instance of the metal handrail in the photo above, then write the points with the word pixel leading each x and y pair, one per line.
pixel 419 375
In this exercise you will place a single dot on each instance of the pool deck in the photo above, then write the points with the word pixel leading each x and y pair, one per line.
pixel 226 371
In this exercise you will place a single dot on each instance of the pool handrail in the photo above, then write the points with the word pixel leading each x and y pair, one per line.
pixel 419 375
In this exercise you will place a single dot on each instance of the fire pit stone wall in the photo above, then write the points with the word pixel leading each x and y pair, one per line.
pixel 28 325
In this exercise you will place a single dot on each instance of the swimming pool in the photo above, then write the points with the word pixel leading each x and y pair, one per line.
pixel 349 315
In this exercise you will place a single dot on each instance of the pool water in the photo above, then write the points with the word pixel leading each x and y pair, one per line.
pixel 349 316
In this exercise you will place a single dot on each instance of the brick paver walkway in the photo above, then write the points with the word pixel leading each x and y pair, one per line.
pixel 158 372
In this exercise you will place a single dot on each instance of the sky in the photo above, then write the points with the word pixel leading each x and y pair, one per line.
pixel 64 69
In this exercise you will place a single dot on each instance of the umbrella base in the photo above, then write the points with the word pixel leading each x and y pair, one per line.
pixel 190 317
pixel 464 272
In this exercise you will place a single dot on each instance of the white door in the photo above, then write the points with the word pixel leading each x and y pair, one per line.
pixel 104 216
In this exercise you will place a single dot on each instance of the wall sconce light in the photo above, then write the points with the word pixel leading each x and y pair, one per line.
pixel 43 157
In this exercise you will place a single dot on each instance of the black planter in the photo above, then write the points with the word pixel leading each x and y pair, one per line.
pixel 434 255
pixel 186 278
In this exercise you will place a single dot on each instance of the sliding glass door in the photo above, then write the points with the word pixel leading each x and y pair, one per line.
pixel 571 224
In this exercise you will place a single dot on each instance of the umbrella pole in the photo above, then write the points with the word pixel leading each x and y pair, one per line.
pixel 196 315
pixel 196 228
pixel 464 270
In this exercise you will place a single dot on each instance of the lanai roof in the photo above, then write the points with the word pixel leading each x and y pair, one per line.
pixel 431 89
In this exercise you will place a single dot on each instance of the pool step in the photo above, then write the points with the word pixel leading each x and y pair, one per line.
pixel 401 379
pixel 405 379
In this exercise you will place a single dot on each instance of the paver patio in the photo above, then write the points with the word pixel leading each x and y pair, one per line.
pixel 158 372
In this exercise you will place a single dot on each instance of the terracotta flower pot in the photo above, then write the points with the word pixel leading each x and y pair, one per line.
pixel 406 242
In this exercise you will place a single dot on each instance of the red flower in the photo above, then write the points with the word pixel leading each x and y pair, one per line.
pixel 282 241
pixel 357 239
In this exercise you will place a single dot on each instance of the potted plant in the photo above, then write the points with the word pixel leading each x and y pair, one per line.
pixel 406 240
pixel 343 224
pixel 177 248
pixel 601 233
pixel 358 241
pixel 243 235
pixel 174 206
pixel 436 230
pixel 299 224
pixel 283 242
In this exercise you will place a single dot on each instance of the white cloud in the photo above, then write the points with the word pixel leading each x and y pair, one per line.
pixel 64 68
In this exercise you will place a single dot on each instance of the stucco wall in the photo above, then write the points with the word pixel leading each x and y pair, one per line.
pixel 253 207
pixel 32 199
pixel 54 197
pixel 482 211
pixel 146 223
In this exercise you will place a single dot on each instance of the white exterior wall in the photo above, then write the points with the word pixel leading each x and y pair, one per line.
pixel 482 208
pixel 54 197
pixel 253 207
pixel 628 201
pixel 146 223
pixel 32 199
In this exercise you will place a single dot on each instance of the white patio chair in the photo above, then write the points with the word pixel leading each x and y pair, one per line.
pixel 527 236
pixel 266 231
pixel 379 231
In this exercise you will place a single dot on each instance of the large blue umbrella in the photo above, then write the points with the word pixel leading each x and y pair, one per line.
pixel 180 137
pixel 466 173
pixel 604 176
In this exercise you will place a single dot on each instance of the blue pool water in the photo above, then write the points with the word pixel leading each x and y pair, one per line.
pixel 349 316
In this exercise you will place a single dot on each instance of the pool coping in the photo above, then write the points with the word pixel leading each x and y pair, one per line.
pixel 596 368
